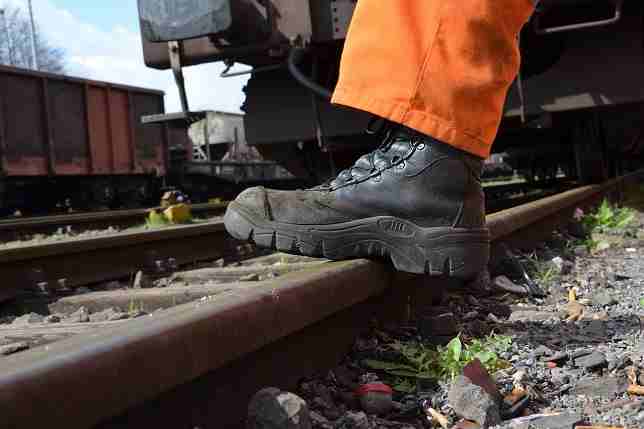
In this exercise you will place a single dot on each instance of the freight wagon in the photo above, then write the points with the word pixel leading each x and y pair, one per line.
pixel 210 157
pixel 579 89
pixel 216 134
pixel 73 142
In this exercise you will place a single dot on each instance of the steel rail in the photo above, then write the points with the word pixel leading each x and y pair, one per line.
pixel 106 218
pixel 99 259
pixel 107 257
pixel 16 226
pixel 494 189
pixel 511 220
pixel 198 364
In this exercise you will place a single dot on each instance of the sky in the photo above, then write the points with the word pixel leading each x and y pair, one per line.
pixel 102 41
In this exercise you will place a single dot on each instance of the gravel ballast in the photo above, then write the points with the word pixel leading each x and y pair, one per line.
pixel 574 356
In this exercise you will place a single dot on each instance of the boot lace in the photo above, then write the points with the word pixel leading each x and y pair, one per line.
pixel 394 150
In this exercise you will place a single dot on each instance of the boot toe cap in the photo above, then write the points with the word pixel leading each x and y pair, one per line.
pixel 294 207
pixel 252 198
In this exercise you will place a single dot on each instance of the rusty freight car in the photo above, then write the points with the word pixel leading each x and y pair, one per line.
pixel 69 141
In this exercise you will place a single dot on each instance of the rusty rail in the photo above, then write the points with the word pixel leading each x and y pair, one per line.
pixel 14 228
pixel 197 365
pixel 91 260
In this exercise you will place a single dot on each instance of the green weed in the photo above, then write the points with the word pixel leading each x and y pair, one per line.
pixel 156 219
pixel 591 244
pixel 418 361
pixel 545 274
pixel 608 217
pixel 542 272
pixel 134 306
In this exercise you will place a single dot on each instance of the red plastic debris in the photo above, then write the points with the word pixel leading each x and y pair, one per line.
pixel 373 388
pixel 375 398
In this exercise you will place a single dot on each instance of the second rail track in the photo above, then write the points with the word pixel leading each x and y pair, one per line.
pixel 12 229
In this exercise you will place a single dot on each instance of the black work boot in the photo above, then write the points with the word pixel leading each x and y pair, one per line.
pixel 415 200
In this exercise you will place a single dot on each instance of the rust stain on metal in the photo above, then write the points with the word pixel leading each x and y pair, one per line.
pixel 99 132
pixel 109 257
pixel 192 340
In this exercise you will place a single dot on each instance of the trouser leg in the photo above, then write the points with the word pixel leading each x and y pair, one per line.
pixel 440 67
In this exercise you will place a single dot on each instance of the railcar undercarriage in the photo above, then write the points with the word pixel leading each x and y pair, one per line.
pixel 576 105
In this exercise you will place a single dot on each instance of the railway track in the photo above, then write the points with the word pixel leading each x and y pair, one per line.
pixel 507 195
pixel 75 263
pixel 197 364
pixel 88 260
pixel 81 261
pixel 15 229
pixel 21 228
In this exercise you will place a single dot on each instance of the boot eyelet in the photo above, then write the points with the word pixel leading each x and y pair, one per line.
pixel 420 146
pixel 401 165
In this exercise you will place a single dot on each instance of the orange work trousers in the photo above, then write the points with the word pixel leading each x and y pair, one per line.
pixel 442 67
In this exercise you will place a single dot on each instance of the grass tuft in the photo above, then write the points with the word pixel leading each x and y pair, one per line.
pixel 418 361
pixel 608 216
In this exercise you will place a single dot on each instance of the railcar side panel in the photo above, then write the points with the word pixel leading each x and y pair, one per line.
pixel 149 140
pixel 122 137
pixel 100 133
pixel 69 127
pixel 597 67
pixel 24 128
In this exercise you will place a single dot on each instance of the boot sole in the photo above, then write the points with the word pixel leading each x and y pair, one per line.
pixel 441 251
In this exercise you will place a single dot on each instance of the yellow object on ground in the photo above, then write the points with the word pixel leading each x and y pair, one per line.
pixel 178 213
pixel 156 218
pixel 572 294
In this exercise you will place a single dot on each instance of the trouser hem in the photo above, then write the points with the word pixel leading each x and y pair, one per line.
pixel 418 120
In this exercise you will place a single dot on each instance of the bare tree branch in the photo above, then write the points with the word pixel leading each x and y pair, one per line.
pixel 15 43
